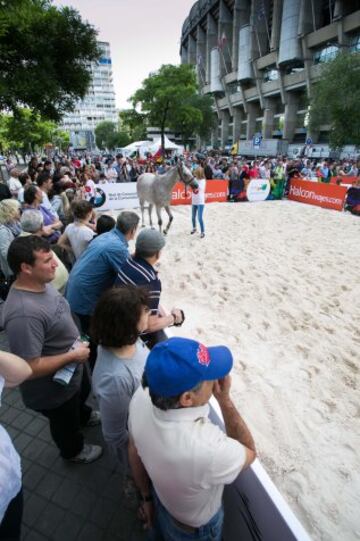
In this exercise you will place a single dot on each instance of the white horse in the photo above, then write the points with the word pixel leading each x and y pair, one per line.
pixel 157 189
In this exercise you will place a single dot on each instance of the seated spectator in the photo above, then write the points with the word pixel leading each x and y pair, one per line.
pixel 104 224
pixel 78 234
pixel 32 223
pixel 33 197
pixel 139 270
pixel 13 371
pixel 180 460
pixel 10 228
pixel 120 316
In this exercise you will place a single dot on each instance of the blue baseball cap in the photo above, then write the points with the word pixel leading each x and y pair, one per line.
pixel 179 364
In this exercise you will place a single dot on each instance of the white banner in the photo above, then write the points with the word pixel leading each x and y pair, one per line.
pixel 116 196
pixel 258 189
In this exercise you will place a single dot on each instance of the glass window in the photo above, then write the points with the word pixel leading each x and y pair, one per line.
pixel 326 54
pixel 355 44
pixel 271 74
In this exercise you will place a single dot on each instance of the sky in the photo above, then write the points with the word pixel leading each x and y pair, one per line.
pixel 143 35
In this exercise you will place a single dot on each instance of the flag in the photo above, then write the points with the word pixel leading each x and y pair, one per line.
pixel 222 41
pixel 234 149
pixel 261 13
pixel 200 60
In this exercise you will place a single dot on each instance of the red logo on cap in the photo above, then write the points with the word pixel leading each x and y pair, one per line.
pixel 203 355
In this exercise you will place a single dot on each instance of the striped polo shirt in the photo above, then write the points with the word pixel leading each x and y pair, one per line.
pixel 138 272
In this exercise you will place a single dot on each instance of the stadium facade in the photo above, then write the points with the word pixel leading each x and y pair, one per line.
pixel 259 60
pixel 97 106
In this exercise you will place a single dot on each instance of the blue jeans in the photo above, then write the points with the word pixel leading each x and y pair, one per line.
pixel 194 210
pixel 166 529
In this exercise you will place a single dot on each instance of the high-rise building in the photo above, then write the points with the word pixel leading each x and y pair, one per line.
pixel 97 106
pixel 259 60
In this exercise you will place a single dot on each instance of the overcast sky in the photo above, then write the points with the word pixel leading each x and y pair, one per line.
pixel 143 35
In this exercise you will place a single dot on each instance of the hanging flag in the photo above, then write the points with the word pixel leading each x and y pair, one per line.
pixel 200 60
pixel 261 13
pixel 234 149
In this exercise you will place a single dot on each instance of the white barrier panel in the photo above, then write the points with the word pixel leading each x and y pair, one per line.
pixel 258 189
pixel 115 196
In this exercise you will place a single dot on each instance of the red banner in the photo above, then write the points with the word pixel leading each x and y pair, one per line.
pixel 328 196
pixel 344 180
pixel 216 190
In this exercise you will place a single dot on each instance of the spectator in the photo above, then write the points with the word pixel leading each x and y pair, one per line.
pixel 59 201
pixel 33 197
pixel 120 316
pixel 45 183
pixel 14 183
pixel 32 223
pixel 78 234
pixel 10 228
pixel 139 270
pixel 96 269
pixel 4 191
pixel 104 224
pixel 25 180
pixel 13 371
pixel 40 329
pixel 185 457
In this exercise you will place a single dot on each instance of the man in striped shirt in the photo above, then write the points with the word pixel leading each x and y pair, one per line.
pixel 139 270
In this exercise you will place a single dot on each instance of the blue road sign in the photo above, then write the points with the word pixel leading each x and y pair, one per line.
pixel 257 140
pixel 309 141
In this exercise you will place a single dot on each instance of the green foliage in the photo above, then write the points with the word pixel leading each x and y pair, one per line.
pixel 45 56
pixel 169 99
pixel 25 131
pixel 107 136
pixel 336 100
pixel 133 123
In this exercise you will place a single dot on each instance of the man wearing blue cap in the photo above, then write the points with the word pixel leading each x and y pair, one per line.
pixel 174 447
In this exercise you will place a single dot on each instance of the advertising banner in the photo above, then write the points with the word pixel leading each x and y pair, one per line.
pixel 116 196
pixel 258 189
pixel 344 180
pixel 328 196
pixel 216 191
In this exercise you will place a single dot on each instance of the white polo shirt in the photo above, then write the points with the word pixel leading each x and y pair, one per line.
pixel 188 458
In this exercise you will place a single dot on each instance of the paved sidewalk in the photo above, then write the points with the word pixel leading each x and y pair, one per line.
pixel 64 501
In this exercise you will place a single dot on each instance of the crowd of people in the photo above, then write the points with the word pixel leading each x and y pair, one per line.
pixel 82 314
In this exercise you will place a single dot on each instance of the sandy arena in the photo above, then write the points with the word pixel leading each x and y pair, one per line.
pixel 278 282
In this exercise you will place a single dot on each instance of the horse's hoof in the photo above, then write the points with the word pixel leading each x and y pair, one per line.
pixel 152 227
pixel 165 233
pixel 143 225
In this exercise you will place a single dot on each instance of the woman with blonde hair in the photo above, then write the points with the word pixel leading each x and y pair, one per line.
pixel 10 228
pixel 198 201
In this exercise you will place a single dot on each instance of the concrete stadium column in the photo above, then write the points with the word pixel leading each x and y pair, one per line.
pixel 291 108
pixel 241 16
pixel 184 54
pixel 276 23
pixel 268 122
pixel 225 36
pixel 201 55
pixel 238 117
pixel 225 117
pixel 211 41
pixel 251 118
pixel 191 50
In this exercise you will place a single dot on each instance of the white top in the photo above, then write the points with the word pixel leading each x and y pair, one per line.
pixel 199 198
pixel 10 468
pixel 14 184
pixel 188 459
pixel 79 237
pixel 111 174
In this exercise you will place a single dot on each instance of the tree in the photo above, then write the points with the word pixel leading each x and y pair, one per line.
pixel 133 123
pixel 336 100
pixel 45 57
pixel 26 130
pixel 108 136
pixel 169 99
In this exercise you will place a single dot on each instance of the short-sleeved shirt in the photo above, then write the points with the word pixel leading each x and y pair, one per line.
pixel 40 325
pixel 188 458
pixel 10 468
pixel 137 271
pixel 79 237
pixel 95 271
pixel 115 380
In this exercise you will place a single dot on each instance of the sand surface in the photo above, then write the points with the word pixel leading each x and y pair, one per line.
pixel 279 283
